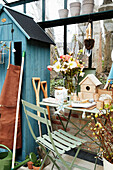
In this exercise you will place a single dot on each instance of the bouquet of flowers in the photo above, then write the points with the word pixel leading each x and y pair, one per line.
pixel 69 67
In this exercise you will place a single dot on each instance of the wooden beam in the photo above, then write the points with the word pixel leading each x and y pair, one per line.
pixel 43 10
pixel 78 19
pixel 5 1
pixel 20 2
pixel 65 31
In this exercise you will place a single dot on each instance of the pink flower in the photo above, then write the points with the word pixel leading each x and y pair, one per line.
pixel 65 57
pixel 50 68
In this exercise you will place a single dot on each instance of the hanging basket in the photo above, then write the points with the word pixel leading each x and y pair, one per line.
pixel 5 159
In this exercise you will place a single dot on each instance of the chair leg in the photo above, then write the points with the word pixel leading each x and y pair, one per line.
pixel 47 155
pixel 75 156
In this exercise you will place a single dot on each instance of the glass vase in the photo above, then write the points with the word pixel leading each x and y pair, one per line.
pixel 69 84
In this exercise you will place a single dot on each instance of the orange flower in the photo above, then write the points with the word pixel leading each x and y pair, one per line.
pixel 65 57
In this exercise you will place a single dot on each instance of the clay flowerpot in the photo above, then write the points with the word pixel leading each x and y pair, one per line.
pixel 107 165
pixel 75 8
pixel 30 165
pixel 87 6
pixel 63 13
pixel 37 168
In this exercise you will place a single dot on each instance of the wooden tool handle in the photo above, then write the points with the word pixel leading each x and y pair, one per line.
pixel 44 89
pixel 90 30
pixel 87 33
pixel 37 89
pixel 44 85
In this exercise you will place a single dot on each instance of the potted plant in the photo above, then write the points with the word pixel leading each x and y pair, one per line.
pixel 102 127
pixel 37 164
pixel 30 163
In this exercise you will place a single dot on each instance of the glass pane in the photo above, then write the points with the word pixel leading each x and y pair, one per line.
pixel 76 34
pixel 52 8
pixel 103 35
pixel 34 9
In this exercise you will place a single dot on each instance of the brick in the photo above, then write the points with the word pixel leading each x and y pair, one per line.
pixel 75 115
pixel 56 122
pixel 62 118
pixel 53 116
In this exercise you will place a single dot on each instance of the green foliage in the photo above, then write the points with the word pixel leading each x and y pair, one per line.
pixel 102 80
pixel 38 163
pixel 55 83
pixel 27 157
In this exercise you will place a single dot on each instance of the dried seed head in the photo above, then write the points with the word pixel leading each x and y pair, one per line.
pixel 96 115
pixel 98 133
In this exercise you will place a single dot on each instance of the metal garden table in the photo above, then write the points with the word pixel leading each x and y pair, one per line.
pixel 69 121
pixel 68 118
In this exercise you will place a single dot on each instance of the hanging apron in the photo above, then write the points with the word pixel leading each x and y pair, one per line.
pixel 8 102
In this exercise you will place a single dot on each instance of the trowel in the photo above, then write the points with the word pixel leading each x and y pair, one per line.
pixel 89 42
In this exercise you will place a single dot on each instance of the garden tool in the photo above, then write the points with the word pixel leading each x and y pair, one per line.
pixel 6 158
pixel 44 89
pixel 9 55
pixel 17 110
pixel 32 158
pixel 37 89
pixel 89 42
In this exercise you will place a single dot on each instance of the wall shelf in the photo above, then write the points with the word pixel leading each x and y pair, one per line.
pixel 77 19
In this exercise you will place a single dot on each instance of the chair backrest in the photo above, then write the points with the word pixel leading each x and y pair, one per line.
pixel 29 111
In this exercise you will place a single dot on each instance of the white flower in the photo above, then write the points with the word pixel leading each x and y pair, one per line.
pixel 72 64
pixel 56 67
pixel 63 69
pixel 82 74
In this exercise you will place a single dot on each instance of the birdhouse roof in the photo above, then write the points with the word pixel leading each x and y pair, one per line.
pixel 27 25
pixel 92 78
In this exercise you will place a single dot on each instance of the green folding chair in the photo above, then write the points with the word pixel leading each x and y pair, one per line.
pixel 58 142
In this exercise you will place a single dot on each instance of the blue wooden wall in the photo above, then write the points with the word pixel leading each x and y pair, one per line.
pixel 36 60
pixel 6 36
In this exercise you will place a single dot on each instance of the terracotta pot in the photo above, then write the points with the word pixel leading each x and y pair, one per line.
pixel 107 165
pixel 37 168
pixel 30 165
pixel 63 13
pixel 87 6
pixel 75 8
pixel 88 1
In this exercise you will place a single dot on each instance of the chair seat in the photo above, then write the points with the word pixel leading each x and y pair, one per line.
pixel 62 140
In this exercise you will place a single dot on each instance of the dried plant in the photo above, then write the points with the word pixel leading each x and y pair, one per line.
pixel 102 127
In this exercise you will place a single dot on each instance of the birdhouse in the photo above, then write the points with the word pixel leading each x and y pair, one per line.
pixel 89 85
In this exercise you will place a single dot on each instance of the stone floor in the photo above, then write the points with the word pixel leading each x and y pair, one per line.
pixel 78 161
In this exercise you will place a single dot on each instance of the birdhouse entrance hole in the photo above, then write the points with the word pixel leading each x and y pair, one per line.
pixel 87 88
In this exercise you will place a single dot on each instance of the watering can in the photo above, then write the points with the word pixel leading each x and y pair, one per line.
pixel 6 159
